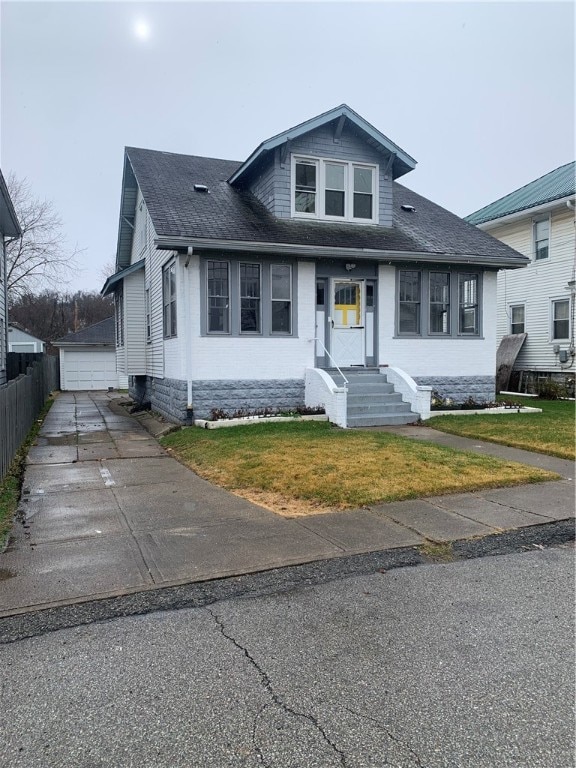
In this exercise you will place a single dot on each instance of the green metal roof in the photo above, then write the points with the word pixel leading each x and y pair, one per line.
pixel 553 186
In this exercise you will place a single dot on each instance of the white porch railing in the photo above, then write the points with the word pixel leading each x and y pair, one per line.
pixel 319 341
pixel 418 395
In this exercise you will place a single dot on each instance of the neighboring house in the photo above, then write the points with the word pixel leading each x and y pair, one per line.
pixel 538 221
pixel 88 358
pixel 9 230
pixel 242 285
pixel 20 340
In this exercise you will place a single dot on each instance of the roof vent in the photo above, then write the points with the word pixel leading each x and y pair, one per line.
pixel 200 187
pixel 409 208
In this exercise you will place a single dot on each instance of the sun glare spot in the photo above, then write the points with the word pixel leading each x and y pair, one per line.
pixel 142 29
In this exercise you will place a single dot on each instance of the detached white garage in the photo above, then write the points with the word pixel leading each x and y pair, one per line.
pixel 88 358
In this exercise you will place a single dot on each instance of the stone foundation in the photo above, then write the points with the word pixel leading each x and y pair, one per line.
pixel 459 388
pixel 168 397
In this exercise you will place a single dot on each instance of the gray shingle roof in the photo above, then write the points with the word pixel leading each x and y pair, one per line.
pixel 228 213
pixel 552 186
pixel 103 332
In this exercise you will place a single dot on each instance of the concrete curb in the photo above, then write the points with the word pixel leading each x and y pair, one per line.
pixel 277 580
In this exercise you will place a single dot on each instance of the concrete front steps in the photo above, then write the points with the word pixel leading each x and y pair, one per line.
pixel 372 401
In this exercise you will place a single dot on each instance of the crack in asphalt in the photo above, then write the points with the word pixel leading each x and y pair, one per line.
pixel 267 684
pixel 389 733
pixel 259 753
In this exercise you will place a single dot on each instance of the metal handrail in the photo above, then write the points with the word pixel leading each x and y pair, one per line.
pixel 331 358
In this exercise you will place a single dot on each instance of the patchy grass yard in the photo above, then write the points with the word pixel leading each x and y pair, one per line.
pixel 551 431
pixel 311 467
pixel 12 483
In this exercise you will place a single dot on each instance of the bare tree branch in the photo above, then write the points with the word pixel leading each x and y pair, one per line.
pixel 40 258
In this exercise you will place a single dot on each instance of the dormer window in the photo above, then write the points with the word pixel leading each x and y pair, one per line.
pixel 334 190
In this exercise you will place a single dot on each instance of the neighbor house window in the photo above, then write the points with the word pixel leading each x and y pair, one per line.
pixel 439 290
pixel 335 190
pixel 169 299
pixel 409 302
pixel 468 304
pixel 119 312
pixel 250 314
pixel 148 315
pixel 541 238
pixel 218 278
pixel 517 319
pixel 561 319
pixel 281 297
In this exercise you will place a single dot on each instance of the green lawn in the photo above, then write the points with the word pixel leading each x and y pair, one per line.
pixel 308 467
pixel 551 431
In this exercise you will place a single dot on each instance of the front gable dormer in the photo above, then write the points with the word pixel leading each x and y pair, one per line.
pixel 335 167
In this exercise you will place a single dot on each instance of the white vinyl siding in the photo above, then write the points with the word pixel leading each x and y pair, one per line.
pixel 536 285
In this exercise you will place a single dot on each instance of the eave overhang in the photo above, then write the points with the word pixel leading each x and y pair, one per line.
pixel 114 279
pixel 181 244
pixel 9 225
pixel 525 213
pixel 402 162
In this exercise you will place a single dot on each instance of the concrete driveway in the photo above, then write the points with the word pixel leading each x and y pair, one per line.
pixel 105 511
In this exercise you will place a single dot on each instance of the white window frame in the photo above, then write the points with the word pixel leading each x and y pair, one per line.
pixel 535 222
pixel 289 300
pixel 553 303
pixel 349 166
pixel 512 308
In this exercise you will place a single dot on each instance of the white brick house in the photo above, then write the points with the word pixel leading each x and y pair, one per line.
pixel 273 282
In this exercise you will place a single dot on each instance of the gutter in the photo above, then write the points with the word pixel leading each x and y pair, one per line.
pixel 315 251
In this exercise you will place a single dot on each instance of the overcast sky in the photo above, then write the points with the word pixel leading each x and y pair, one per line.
pixel 480 94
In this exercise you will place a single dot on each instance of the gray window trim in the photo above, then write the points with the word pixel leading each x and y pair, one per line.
pixel 234 291
pixel 425 332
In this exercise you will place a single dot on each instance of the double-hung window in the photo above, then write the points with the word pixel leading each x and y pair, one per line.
pixel 468 304
pixel 517 314
pixel 439 302
pixel 541 238
pixel 248 298
pixel 250 294
pixel 561 319
pixel 148 315
pixel 335 190
pixel 119 313
pixel 409 302
pixel 218 279
pixel 281 298
pixel 169 299
pixel 432 303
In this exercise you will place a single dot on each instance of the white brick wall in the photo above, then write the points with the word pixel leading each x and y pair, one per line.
pixel 437 357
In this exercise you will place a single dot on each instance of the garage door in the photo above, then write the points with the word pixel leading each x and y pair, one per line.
pixel 89 369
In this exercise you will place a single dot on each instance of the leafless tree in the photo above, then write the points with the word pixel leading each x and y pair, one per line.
pixel 108 269
pixel 40 258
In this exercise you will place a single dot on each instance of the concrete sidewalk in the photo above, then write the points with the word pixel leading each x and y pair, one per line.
pixel 105 512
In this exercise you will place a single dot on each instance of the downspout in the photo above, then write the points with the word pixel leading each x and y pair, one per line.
pixel 188 313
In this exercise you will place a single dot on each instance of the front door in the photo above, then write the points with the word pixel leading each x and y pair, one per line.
pixel 347 322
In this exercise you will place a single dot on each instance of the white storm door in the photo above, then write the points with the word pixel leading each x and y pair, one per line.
pixel 347 322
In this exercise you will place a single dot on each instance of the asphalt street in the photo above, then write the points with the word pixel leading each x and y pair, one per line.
pixel 462 665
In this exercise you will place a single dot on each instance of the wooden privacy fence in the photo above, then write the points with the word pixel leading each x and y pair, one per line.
pixel 21 401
